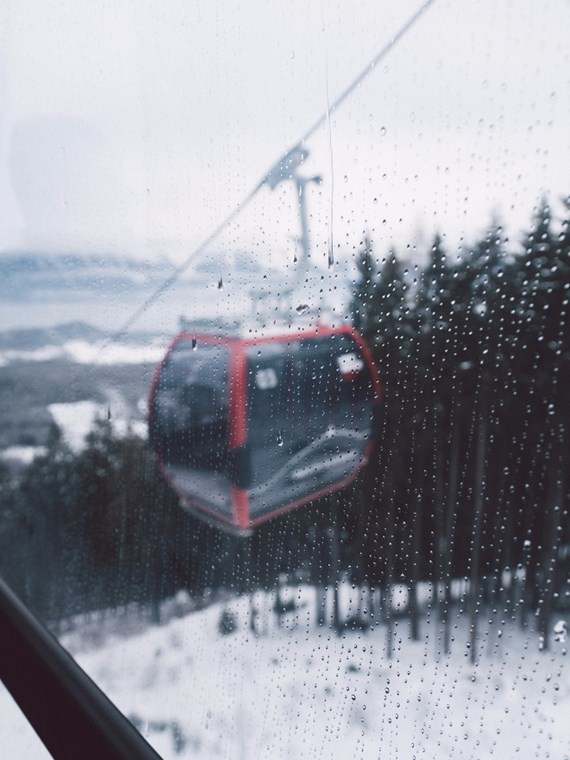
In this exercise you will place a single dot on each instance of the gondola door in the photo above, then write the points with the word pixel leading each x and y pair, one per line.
pixel 311 402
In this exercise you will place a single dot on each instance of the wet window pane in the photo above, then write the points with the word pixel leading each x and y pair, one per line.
pixel 284 358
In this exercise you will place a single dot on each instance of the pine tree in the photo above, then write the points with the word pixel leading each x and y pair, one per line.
pixel 361 307
pixel 45 504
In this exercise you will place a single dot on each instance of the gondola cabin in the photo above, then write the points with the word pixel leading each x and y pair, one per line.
pixel 248 427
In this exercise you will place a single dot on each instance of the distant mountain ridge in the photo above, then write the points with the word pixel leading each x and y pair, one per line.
pixel 30 275
pixel 32 338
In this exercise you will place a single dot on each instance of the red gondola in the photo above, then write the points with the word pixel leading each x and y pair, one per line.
pixel 246 428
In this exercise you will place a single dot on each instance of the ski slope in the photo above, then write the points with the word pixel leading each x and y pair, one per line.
pixel 297 691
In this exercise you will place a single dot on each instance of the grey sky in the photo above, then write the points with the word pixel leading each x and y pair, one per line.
pixel 136 126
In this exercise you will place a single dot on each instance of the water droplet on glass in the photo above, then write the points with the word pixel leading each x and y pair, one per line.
pixel 279 439
pixel 560 631
pixel 302 308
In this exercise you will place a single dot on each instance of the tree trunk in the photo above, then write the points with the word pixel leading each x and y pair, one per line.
pixel 334 578
pixel 448 535
pixel 478 505
pixel 390 540
pixel 555 507
pixel 413 609
pixel 319 560
pixel 439 515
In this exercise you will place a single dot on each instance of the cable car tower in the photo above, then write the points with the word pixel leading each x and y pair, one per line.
pixel 287 170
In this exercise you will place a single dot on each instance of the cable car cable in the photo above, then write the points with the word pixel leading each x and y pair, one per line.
pixel 284 164
pixel 392 42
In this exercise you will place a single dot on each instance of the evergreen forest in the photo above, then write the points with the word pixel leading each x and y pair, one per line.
pixel 468 479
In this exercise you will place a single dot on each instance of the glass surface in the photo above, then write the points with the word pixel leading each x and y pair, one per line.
pixel 252 548
pixel 310 414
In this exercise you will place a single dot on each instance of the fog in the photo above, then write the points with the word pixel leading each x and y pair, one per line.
pixel 136 127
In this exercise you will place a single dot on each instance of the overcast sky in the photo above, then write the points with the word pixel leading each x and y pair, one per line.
pixel 136 125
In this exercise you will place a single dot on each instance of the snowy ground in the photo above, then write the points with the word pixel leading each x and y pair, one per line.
pixel 76 420
pixel 302 692
pixel 98 352
pixel 24 455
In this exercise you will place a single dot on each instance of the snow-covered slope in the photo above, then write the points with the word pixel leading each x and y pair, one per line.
pixel 298 691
